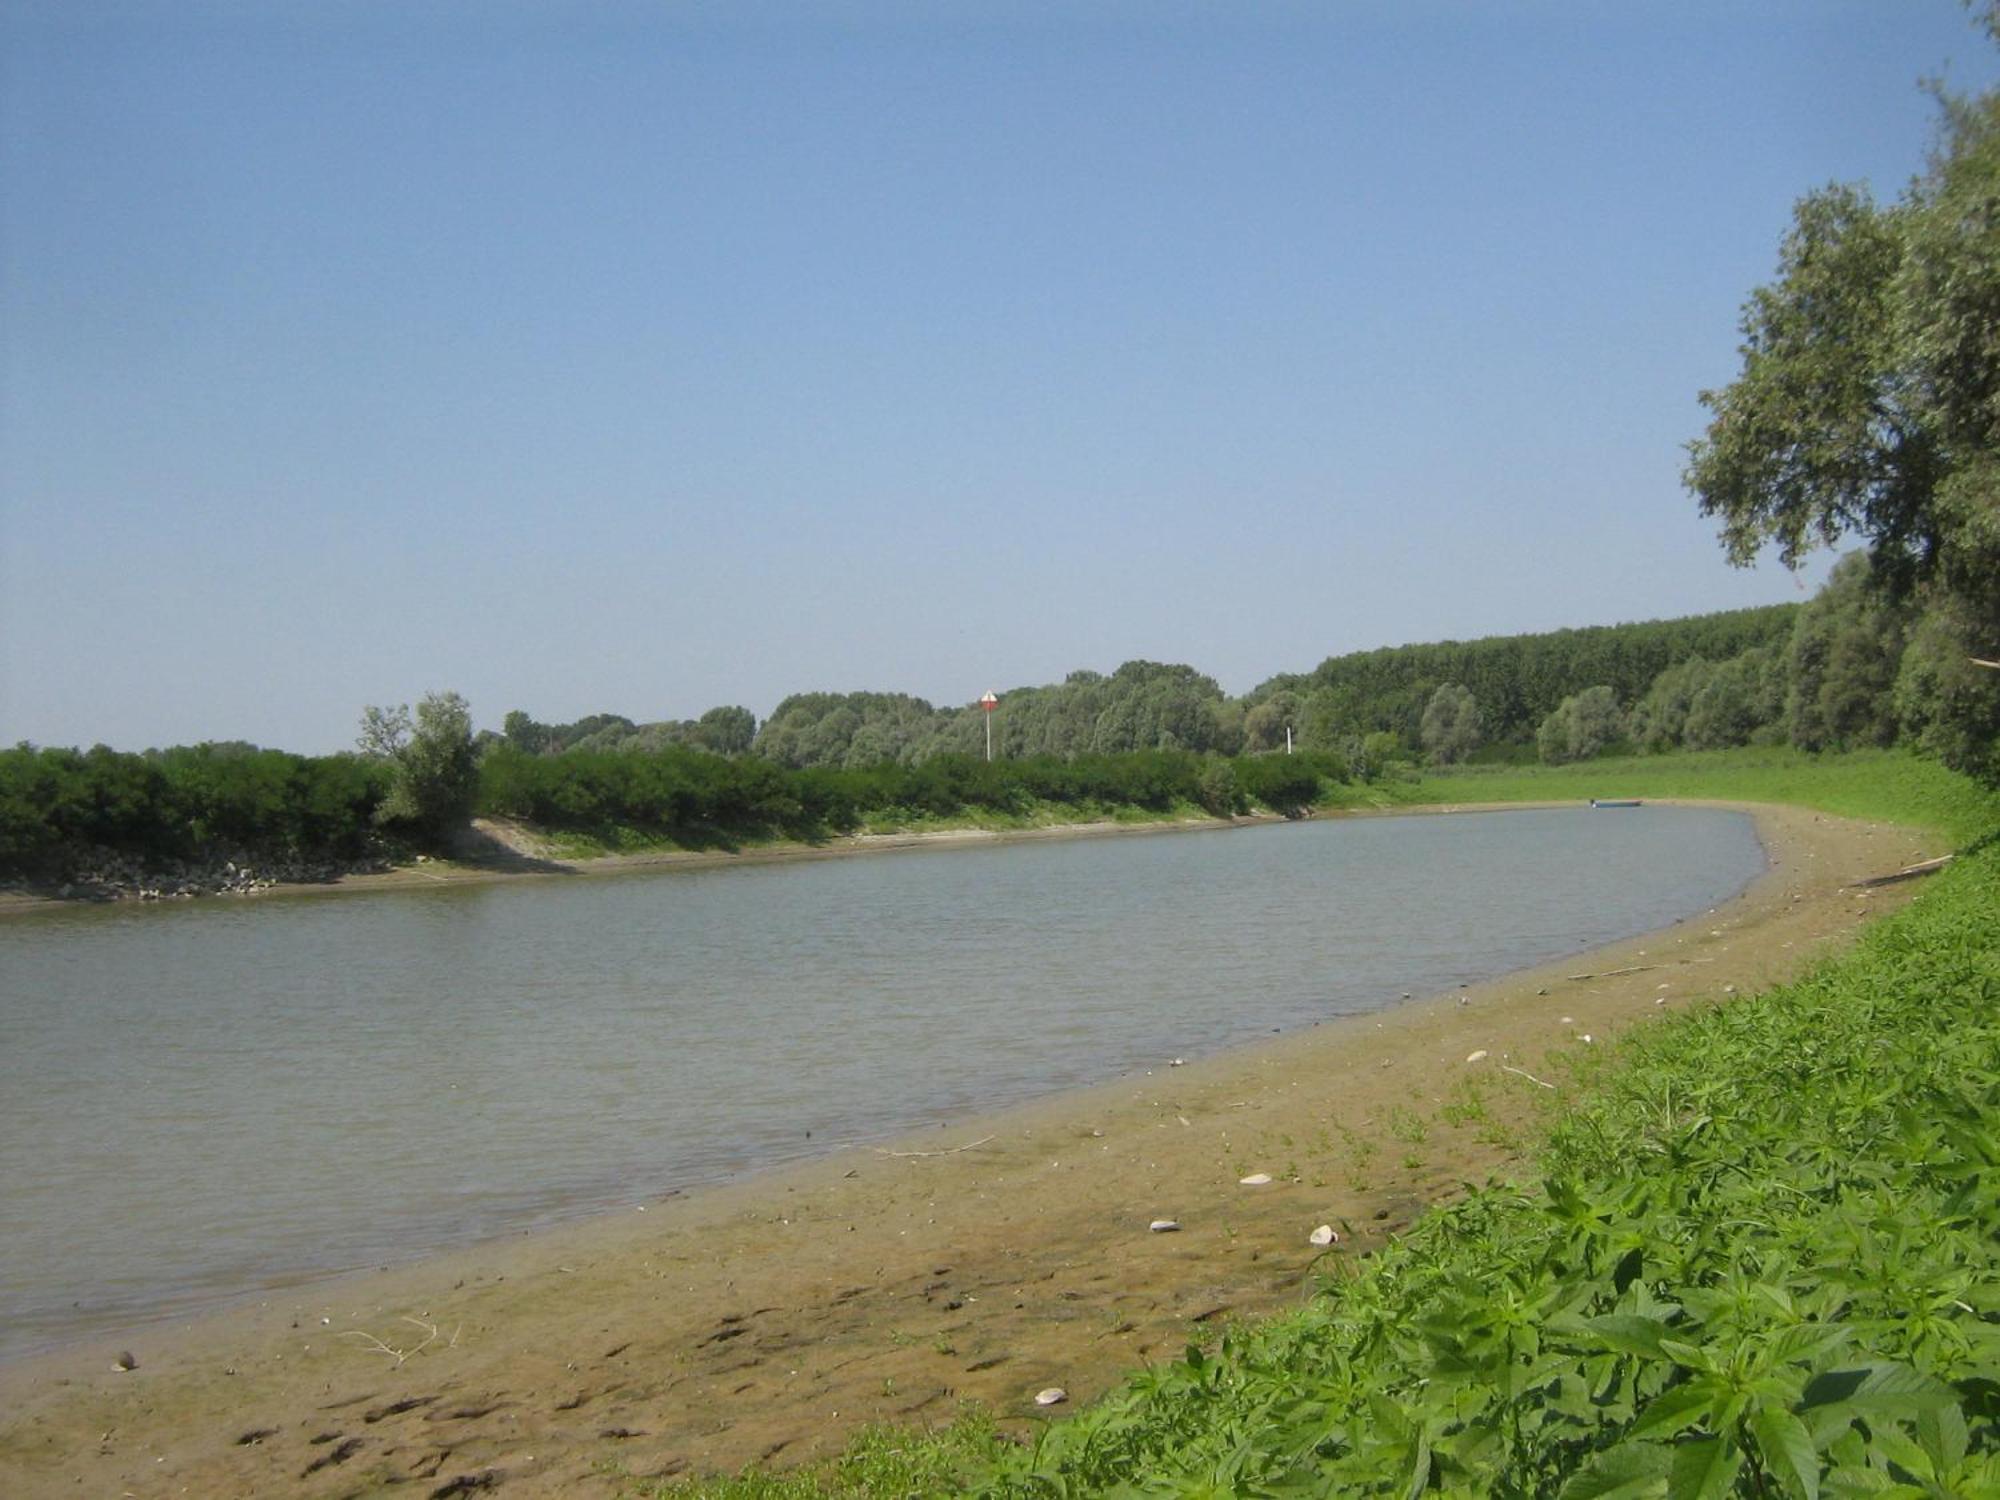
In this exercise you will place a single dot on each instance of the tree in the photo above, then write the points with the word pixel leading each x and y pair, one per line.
pixel 1450 729
pixel 1581 725
pixel 1842 662
pixel 1659 720
pixel 434 773
pixel 523 733
pixel 1868 404
pixel 726 730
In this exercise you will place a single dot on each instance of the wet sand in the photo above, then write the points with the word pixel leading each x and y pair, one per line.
pixel 979 1261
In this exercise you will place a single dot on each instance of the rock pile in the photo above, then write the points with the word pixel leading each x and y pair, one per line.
pixel 106 875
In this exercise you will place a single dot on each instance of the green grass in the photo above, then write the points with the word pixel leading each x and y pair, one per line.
pixel 1762 1259
pixel 1887 785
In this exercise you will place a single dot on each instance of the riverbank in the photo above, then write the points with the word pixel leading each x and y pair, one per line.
pixel 499 850
pixel 984 1261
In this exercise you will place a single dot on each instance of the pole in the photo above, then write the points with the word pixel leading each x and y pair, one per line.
pixel 989 734
pixel 1288 739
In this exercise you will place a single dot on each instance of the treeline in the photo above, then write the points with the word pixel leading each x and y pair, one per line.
pixel 185 803
pixel 1513 682
pixel 1516 680
pixel 1856 669
pixel 1852 667
pixel 212 802
pixel 696 798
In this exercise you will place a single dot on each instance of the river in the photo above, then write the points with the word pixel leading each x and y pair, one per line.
pixel 204 1099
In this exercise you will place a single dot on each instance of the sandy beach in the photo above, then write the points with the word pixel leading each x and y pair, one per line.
pixel 981 1260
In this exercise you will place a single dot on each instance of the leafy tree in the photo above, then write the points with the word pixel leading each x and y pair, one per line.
pixel 435 775
pixel 1451 725
pixel 1842 662
pixel 384 731
pixel 1741 698
pixel 1659 720
pixel 1869 405
pixel 1947 704
pixel 727 730
pixel 1581 726
pixel 1264 724
pixel 524 734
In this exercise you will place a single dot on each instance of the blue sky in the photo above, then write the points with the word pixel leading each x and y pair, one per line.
pixel 640 358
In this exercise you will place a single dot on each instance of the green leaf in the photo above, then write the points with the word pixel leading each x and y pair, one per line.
pixel 1880 1389
pixel 1786 1449
pixel 1628 1333
pixel 1674 1410
pixel 1630 1471
pixel 1703 1469
pixel 1942 1435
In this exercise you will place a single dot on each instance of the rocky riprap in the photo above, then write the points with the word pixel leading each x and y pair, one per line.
pixel 110 876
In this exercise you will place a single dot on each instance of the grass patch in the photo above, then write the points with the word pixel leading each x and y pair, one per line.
pixel 1888 785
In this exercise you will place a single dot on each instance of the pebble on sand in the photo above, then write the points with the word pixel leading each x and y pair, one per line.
pixel 1164 1226
pixel 1255 1179
pixel 1479 1056
pixel 1324 1235
pixel 1053 1396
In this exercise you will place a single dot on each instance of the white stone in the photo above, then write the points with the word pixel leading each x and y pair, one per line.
pixel 1324 1235
pixel 1053 1396
pixel 1255 1179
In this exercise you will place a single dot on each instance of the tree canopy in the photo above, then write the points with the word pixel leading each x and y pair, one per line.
pixel 1868 405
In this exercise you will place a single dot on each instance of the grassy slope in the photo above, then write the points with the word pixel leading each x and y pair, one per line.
pixel 1763 1260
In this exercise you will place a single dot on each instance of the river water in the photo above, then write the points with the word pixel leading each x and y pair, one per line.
pixel 200 1100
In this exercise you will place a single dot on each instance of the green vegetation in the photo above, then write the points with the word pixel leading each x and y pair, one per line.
pixel 181 804
pixel 433 772
pixel 1762 1257
pixel 1887 785
pixel 1516 680
pixel 703 800
pixel 1866 406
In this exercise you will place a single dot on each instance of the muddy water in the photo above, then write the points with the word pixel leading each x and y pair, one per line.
pixel 200 1100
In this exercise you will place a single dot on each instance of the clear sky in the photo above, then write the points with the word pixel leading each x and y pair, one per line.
pixel 644 357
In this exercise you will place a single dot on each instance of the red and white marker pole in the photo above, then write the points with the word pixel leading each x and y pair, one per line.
pixel 989 703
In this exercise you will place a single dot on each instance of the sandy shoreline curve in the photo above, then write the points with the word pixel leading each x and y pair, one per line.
pixel 981 1260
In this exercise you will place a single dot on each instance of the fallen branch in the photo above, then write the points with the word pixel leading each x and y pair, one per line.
pixel 377 1346
pixel 1614 973
pixel 1524 1073
pixel 952 1152
pixel 1908 872
pixel 1980 661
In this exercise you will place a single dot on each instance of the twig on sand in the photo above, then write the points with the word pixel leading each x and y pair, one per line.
pixel 1614 973
pixel 952 1152
pixel 377 1346
pixel 1524 1073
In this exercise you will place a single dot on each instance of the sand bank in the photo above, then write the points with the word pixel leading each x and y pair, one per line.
pixel 982 1260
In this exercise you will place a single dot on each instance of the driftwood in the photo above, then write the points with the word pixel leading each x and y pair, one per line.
pixel 952 1152
pixel 1524 1073
pixel 1908 872
pixel 1614 973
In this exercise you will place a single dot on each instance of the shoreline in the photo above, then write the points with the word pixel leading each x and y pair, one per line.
pixel 505 862
pixel 509 864
pixel 765 1317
